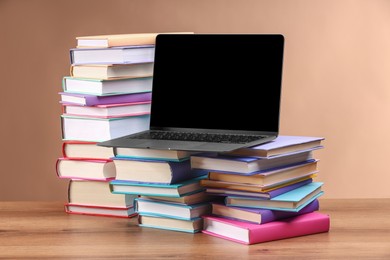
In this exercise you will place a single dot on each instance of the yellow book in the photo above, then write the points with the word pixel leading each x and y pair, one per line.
pixel 113 40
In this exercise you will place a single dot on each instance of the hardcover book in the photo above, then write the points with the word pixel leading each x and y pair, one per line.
pixel 190 226
pixel 246 165
pixel 81 149
pixel 106 87
pixel 171 210
pixel 101 129
pixel 152 189
pixel 154 171
pixel 259 216
pixel 282 144
pixel 113 55
pixel 249 233
pixel 113 71
pixel 86 169
pixel 100 210
pixel 92 100
pixel 294 200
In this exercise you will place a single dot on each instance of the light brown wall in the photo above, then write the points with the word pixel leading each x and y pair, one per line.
pixel 336 79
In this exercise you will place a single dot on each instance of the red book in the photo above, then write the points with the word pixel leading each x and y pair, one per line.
pixel 83 150
pixel 248 233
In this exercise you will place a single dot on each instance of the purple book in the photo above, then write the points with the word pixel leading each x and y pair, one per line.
pixel 259 216
pixel 265 195
pixel 154 171
pixel 92 100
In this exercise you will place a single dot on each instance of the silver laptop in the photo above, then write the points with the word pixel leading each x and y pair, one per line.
pixel 212 92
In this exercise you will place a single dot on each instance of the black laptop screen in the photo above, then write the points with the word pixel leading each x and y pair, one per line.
pixel 206 81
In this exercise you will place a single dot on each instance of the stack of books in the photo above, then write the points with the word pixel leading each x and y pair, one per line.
pixel 170 194
pixel 268 191
pixel 107 95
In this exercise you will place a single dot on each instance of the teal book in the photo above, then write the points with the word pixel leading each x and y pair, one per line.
pixel 190 226
pixel 294 200
pixel 171 210
pixel 155 189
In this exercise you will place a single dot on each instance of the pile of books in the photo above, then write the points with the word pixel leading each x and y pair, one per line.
pixel 268 191
pixel 170 194
pixel 108 95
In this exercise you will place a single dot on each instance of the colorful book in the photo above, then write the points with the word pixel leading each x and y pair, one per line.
pixel 101 129
pixel 153 154
pixel 92 100
pixel 86 169
pixel 100 210
pixel 259 216
pixel 268 178
pixel 246 165
pixel 97 193
pixel 190 226
pixel 100 71
pixel 265 195
pixel 249 187
pixel 249 233
pixel 171 210
pixel 112 40
pixel 113 55
pixel 81 149
pixel 294 200
pixel 152 189
pixel 154 171
pixel 282 144
pixel 108 111
pixel 188 199
pixel 99 87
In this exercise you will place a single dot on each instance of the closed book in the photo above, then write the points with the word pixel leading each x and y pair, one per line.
pixel 266 195
pixel 153 189
pixel 86 169
pixel 92 100
pixel 171 210
pixel 249 187
pixel 113 71
pixel 249 233
pixel 154 171
pixel 282 144
pixel 112 40
pixel 99 87
pixel 248 165
pixel 97 193
pixel 81 149
pixel 79 209
pixel 152 154
pixel 187 199
pixel 101 129
pixel 268 178
pixel 114 55
pixel 108 111
pixel 294 200
pixel 259 216
pixel 180 225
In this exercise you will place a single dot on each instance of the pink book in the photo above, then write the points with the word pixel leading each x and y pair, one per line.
pixel 248 233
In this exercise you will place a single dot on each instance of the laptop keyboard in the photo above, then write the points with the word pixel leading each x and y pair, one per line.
pixel 198 137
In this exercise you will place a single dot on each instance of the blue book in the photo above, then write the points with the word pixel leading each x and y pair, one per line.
pixel 154 189
pixel 171 210
pixel 247 165
pixel 190 226
pixel 154 171
pixel 294 200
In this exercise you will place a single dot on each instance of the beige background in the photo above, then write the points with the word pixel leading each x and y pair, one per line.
pixel 336 79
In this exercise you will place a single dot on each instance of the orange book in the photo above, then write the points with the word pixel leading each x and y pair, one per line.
pixel 113 40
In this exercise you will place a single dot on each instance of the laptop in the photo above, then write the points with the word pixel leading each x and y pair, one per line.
pixel 212 92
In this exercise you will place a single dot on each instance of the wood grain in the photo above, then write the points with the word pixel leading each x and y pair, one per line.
pixel 41 230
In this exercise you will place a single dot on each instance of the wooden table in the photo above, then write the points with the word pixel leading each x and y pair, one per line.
pixel 359 229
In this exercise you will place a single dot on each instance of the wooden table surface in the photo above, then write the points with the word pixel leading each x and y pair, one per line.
pixel 359 229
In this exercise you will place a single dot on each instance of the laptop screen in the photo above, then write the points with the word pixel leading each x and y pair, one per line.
pixel 217 81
